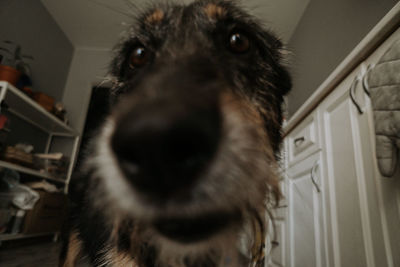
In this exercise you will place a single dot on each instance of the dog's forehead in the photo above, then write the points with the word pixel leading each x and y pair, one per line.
pixel 203 28
pixel 174 20
pixel 197 12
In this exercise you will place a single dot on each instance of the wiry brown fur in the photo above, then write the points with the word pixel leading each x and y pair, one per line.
pixel 214 11
pixel 190 67
pixel 73 251
pixel 156 17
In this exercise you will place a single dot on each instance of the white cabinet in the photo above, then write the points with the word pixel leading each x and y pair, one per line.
pixel 276 246
pixel 305 214
pixel 304 193
pixel 277 257
pixel 348 215
pixel 388 189
pixel 353 219
pixel 304 140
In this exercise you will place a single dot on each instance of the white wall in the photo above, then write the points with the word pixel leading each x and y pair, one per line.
pixel 326 34
pixel 87 67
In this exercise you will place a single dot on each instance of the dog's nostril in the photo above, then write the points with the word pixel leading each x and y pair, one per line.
pixel 187 147
pixel 163 153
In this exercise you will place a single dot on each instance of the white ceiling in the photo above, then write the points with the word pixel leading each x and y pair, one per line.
pixel 99 23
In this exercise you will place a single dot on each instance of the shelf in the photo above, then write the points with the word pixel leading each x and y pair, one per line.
pixel 30 171
pixel 6 237
pixel 27 109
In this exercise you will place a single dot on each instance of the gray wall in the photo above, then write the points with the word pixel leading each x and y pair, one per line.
pixel 28 23
pixel 88 67
pixel 326 34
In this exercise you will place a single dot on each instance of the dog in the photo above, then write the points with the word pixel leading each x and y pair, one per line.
pixel 184 167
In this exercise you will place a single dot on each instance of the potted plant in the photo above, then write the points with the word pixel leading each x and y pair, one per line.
pixel 12 63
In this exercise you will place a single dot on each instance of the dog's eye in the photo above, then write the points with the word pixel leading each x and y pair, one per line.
pixel 239 43
pixel 139 57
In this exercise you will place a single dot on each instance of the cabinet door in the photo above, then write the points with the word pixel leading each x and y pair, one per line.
pixel 276 239
pixel 276 258
pixel 353 217
pixel 388 188
pixel 305 220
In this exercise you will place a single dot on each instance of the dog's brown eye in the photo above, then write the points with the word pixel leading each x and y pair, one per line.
pixel 138 57
pixel 239 42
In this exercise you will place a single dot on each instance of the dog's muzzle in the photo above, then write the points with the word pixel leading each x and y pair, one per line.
pixel 167 142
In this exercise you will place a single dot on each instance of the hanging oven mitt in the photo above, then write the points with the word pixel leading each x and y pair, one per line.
pixel 383 84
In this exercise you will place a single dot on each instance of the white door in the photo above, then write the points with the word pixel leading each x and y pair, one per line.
pixel 305 223
pixel 353 217
pixel 276 247
pixel 388 188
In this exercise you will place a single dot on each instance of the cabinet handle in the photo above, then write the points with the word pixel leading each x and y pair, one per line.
pixel 274 243
pixel 313 169
pixel 352 97
pixel 365 79
pixel 298 141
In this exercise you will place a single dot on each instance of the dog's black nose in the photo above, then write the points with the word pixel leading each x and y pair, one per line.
pixel 163 150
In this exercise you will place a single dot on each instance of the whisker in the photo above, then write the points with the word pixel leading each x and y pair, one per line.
pixel 112 8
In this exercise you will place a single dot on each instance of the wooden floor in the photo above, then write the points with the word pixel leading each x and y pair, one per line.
pixel 42 254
